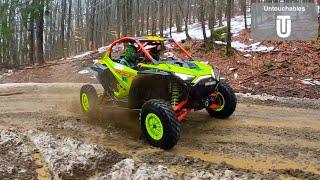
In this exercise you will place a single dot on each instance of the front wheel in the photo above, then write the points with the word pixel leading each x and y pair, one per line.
pixel 159 124
pixel 227 101
pixel 88 100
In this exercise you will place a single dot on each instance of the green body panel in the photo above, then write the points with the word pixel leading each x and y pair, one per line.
pixel 125 75
pixel 201 70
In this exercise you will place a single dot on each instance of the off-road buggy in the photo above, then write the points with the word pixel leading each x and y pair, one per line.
pixel 164 87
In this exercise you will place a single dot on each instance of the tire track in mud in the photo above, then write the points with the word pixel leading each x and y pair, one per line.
pixel 43 171
pixel 260 141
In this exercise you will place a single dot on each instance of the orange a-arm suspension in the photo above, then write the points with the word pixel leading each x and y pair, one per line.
pixel 181 111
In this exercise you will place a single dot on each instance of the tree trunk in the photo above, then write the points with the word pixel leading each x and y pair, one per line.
pixel 220 10
pixel 63 17
pixel 202 20
pixel 148 13
pixel 171 20
pixel 40 25
pixel 178 17
pixel 186 19
pixel 92 25
pixel 245 14
pixel 161 18
pixel 31 38
pixel 229 35
pixel 154 18
pixel 212 18
pixel 138 18
pixel 69 27
pixel 118 18
pixel 124 19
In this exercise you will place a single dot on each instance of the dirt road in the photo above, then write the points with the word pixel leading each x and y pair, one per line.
pixel 259 141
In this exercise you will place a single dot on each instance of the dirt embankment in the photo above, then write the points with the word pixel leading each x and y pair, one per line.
pixel 49 137
pixel 286 72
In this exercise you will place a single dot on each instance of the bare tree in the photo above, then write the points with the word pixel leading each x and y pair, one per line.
pixel 31 35
pixel 202 19
pixel 229 35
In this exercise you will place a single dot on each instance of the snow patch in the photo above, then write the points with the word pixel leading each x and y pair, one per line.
pixel 127 169
pixel 247 55
pixel 237 25
pixel 103 49
pixel 195 30
pixel 95 61
pixel 16 154
pixel 226 175
pixel 82 55
pixel 311 82
pixel 255 47
pixel 66 156
pixel 84 71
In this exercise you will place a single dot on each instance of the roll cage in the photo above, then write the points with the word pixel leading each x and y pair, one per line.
pixel 143 41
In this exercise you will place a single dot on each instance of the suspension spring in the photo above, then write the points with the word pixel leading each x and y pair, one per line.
pixel 175 94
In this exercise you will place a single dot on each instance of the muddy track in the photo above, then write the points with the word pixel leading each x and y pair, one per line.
pixel 259 141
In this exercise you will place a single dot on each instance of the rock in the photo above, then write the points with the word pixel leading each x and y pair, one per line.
pixel 228 175
pixel 122 170
pixel 146 172
pixel 202 175
pixel 127 170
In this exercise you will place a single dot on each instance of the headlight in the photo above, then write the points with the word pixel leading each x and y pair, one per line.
pixel 184 77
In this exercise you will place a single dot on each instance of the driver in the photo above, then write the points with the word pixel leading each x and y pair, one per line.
pixel 129 59
pixel 155 51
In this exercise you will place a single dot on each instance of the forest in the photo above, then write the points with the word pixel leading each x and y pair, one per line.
pixel 36 31
pixel 234 107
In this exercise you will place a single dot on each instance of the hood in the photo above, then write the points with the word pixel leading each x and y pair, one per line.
pixel 193 68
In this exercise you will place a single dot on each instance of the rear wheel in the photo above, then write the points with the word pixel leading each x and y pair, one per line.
pixel 226 102
pixel 88 99
pixel 159 124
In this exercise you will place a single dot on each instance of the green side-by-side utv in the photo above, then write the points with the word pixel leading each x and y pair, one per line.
pixel 162 80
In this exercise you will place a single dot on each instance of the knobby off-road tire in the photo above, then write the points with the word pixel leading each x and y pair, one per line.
pixel 89 100
pixel 159 124
pixel 225 93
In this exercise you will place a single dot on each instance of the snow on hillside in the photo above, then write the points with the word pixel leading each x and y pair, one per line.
pixel 237 25
pixel 195 31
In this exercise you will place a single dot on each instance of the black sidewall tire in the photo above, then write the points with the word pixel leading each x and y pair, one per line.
pixel 171 127
pixel 230 102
